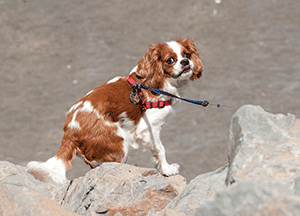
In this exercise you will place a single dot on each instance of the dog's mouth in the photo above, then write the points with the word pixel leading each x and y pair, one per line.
pixel 186 69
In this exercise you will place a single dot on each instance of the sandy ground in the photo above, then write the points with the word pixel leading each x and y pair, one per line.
pixel 54 52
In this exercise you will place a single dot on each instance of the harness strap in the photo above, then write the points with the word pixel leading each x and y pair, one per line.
pixel 130 80
pixel 201 103
pixel 149 105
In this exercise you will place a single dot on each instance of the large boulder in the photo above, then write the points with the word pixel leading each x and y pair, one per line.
pixel 21 194
pixel 110 189
pixel 253 197
pixel 21 200
pixel 262 177
pixel 119 188
pixel 263 145
pixel 198 191
pixel 11 174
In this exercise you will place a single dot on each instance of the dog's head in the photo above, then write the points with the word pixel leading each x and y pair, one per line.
pixel 176 60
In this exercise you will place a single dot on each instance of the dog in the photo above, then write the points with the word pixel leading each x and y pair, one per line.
pixel 101 126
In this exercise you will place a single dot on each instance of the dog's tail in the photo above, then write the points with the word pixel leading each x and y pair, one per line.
pixel 51 170
pixel 55 168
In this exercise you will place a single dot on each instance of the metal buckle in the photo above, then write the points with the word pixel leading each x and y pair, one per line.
pixel 135 96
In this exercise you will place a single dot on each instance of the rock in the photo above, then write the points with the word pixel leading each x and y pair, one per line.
pixel 262 178
pixel 198 191
pixel 263 145
pixel 21 194
pixel 253 197
pixel 178 182
pixel 263 175
pixel 263 171
pixel 172 212
pixel 111 189
pixel 21 200
pixel 119 188
pixel 11 174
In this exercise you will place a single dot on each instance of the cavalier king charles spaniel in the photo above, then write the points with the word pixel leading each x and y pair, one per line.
pixel 102 125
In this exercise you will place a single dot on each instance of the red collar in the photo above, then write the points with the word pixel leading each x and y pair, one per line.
pixel 148 105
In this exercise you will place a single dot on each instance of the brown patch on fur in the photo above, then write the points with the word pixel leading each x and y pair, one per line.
pixel 67 150
pixel 150 69
pixel 155 154
pixel 97 141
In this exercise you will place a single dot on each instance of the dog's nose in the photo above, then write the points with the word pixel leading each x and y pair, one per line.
pixel 185 62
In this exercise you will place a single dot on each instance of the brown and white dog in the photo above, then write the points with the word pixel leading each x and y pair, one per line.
pixel 102 125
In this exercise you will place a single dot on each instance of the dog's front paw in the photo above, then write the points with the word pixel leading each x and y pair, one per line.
pixel 169 170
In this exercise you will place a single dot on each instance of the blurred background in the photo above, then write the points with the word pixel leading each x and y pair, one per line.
pixel 54 52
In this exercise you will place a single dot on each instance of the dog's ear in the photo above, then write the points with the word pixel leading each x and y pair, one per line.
pixel 150 68
pixel 190 46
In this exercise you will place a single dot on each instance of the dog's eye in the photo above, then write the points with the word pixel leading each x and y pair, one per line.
pixel 170 60
pixel 187 55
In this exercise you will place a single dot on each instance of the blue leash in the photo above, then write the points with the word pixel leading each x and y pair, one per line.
pixel 137 87
pixel 202 103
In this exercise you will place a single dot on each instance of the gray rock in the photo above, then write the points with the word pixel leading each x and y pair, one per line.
pixel 262 178
pixel 110 189
pixel 22 194
pixel 297 186
pixel 21 200
pixel 263 145
pixel 198 191
pixel 264 166
pixel 171 212
pixel 11 174
pixel 253 197
pixel 119 188
pixel 17 199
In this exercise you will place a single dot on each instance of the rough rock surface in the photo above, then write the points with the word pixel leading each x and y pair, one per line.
pixel 262 178
pixel 263 145
pixel 22 194
pixel 21 200
pixel 119 188
pixel 199 190
pixel 108 190
pixel 11 174
pixel 253 197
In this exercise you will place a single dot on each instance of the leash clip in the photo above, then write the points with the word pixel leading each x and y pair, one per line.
pixel 136 93
pixel 205 103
